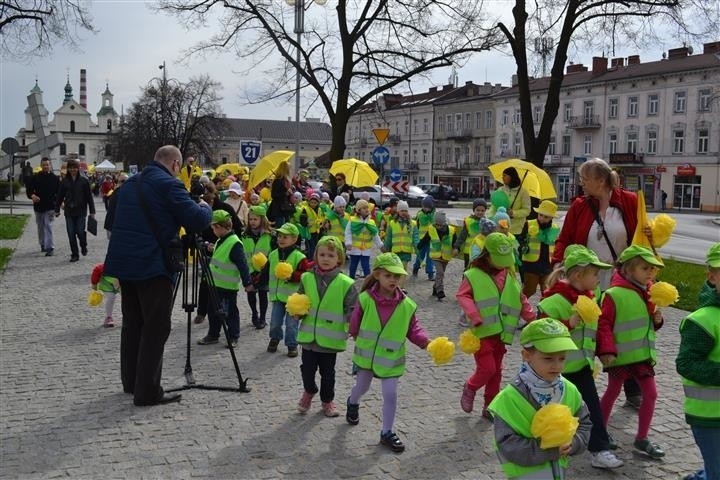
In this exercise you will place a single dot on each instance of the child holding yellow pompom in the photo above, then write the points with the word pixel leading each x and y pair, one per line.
pixel 323 330
pixel 563 301
pixel 285 266
pixel 545 345
pixel 257 239
pixel 110 286
pixel 383 319
pixel 626 338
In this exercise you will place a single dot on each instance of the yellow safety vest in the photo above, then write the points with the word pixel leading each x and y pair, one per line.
pixel 472 225
pixel 441 248
pixel 703 401
pixel 633 330
pixel 325 323
pixel 533 242
pixel 500 311
pixel 558 307
pixel 280 290
pixel 363 240
pixel 402 235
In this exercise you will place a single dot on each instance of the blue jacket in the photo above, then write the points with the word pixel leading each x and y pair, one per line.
pixel 133 253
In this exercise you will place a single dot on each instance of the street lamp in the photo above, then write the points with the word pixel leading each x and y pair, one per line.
pixel 299 30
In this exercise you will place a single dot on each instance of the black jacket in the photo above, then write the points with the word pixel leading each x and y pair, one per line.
pixel 45 186
pixel 76 196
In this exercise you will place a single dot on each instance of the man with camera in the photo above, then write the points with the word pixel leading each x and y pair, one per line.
pixel 151 208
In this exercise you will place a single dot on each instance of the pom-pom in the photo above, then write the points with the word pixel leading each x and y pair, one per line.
pixel 533 229
pixel 662 227
pixel 258 260
pixel 283 270
pixel 94 298
pixel 298 305
pixel 468 342
pixel 554 425
pixel 663 294
pixel 441 349
pixel 588 309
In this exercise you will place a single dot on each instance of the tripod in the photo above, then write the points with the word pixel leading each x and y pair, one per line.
pixel 188 280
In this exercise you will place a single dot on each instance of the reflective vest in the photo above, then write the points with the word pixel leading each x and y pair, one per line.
pixel 441 248
pixel 558 307
pixel 280 290
pixel 472 225
pixel 402 236
pixel 424 220
pixel 107 284
pixel 500 312
pixel 252 247
pixel 703 401
pixel 533 242
pixel 518 413
pixel 313 223
pixel 363 240
pixel 382 349
pixel 225 273
pixel 325 323
pixel 633 331
pixel 337 226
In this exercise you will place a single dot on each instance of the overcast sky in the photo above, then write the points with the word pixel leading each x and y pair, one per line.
pixel 130 44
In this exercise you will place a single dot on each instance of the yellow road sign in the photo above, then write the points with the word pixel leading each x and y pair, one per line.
pixel 381 134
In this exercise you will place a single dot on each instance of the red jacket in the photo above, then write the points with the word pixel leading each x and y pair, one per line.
pixel 580 218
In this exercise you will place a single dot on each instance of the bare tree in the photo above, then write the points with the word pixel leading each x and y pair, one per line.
pixel 34 27
pixel 346 58
pixel 599 24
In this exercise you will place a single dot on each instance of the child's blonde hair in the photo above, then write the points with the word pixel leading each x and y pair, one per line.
pixel 264 223
pixel 627 267
pixel 369 281
pixel 331 243
pixel 560 273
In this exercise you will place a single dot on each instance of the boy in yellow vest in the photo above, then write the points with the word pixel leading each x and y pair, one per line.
pixel 545 344
pixel 401 235
pixel 424 218
pixel 539 247
pixel 470 230
pixel 698 362
pixel 440 237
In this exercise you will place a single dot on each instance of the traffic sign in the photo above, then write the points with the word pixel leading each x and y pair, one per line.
pixel 380 155
pixel 395 175
pixel 401 186
pixel 250 150
pixel 381 134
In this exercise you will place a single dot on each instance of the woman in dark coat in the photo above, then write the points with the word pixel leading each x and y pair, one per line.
pixel 280 207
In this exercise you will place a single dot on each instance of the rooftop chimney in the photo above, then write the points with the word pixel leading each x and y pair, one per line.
pixel 432 90
pixel 83 88
pixel 617 62
pixel 599 65
pixel 513 80
pixel 576 68
pixel 713 47
pixel 681 52
pixel 634 60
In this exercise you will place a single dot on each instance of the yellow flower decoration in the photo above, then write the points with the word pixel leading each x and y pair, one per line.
pixel 258 260
pixel 283 270
pixel 662 227
pixel 94 298
pixel 663 294
pixel 298 304
pixel 533 229
pixel 468 342
pixel 554 425
pixel 588 309
pixel 441 350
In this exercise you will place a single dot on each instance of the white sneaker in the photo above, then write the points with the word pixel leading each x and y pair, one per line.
pixel 605 459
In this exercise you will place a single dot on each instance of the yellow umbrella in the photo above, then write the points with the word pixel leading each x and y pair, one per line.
pixel 534 179
pixel 267 165
pixel 357 172
pixel 231 168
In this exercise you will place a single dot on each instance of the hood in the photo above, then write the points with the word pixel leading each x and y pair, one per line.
pixel 569 292
pixel 708 297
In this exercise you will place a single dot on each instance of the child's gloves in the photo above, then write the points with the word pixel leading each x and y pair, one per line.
pixel 441 350
pixel 554 425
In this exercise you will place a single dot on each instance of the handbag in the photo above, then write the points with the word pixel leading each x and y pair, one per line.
pixel 172 252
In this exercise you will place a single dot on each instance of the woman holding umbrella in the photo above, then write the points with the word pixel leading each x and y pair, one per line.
pixel 518 201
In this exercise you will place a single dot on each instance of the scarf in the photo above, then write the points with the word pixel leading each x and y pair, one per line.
pixel 357 227
pixel 541 390
pixel 547 234
pixel 332 215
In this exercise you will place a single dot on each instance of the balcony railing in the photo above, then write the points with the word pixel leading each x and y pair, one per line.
pixel 363 141
pixel 411 166
pixel 464 134
pixel 587 121
pixel 395 139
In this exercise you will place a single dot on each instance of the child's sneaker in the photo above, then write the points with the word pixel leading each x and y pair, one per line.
pixel 329 409
pixel 392 441
pixel 208 340
pixel 272 346
pixel 605 459
pixel 648 447
pixel 352 414
pixel 440 295
pixel 292 352
pixel 633 401
pixel 108 322
pixel 305 401
pixel 467 399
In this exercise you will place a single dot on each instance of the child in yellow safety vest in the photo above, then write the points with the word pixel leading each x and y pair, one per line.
pixel 310 222
pixel 110 286
pixel 401 235
pixel 383 319
pixel 537 251
pixel 389 214
pixel 323 331
pixel 470 230
pixel 698 363
pixel 491 297
pixel 440 237
pixel 361 234
pixel 579 274
pixel 424 218
pixel 335 219
pixel 258 239
pixel 626 338
pixel 545 344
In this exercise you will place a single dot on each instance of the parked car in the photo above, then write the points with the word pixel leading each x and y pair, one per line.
pixel 449 193
pixel 374 191
pixel 413 196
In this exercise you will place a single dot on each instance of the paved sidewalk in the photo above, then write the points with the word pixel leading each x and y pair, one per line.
pixel 63 413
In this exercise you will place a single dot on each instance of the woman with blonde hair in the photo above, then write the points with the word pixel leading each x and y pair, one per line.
pixel 280 207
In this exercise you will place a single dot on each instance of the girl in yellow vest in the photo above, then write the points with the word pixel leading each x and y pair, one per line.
pixel 470 230
pixel 698 362
pixel 361 234
pixel 626 338
pixel 545 344
pixel 323 331
pixel 401 235
pixel 383 319
pixel 258 239
pixel 580 277
pixel 310 219
pixel 229 270
pixel 539 247
pixel 424 218
pixel 440 237
pixel 335 219
pixel 493 302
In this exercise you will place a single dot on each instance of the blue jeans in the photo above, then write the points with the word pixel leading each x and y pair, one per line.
pixel 364 262
pixel 278 318
pixel 44 221
pixel 76 231
pixel 227 300
pixel 708 441
pixel 424 254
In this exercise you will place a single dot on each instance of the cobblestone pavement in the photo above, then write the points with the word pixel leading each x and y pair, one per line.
pixel 64 413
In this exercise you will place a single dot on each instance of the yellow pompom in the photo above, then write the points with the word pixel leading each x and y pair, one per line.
pixel 554 425
pixel 283 270
pixel 663 294
pixel 588 309
pixel 662 227
pixel 298 305
pixel 533 229
pixel 94 298
pixel 468 342
pixel 441 349
pixel 258 260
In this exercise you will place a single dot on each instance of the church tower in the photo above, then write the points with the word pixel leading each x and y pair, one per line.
pixel 68 92
pixel 38 94
pixel 107 116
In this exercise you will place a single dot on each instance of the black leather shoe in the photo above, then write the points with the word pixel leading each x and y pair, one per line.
pixel 84 251
pixel 166 398
pixel 74 258
pixel 49 253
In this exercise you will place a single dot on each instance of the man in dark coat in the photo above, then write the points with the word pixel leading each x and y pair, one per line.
pixel 42 189
pixel 75 195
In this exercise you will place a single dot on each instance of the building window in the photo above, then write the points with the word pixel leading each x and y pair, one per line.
pixel 488 119
pixel 63 149
pixel 466 156
pixel 478 120
pixel 653 104
pixel 537 114
pixel 678 141
pixel 652 142
pixel 81 149
pixel 441 123
pixel 588 112
pixel 488 153
pixel 439 156
pixel 397 128
pixel 704 100
pixel 405 156
pixel 72 125
pixel 407 127
pixel 679 102
pixel 458 122
pixel 109 125
pixel 505 115
pixel 632 106
pixel 613 108
pixel 108 150
pixel 457 156
pixel 587 144
pixel 632 141
pixel 424 157
pixel 551 145
pixel 568 112
pixel 566 145
pixel 703 136
pixel 449 120
pixel 448 156
pixel 516 148
pixel 516 117
pixel 415 126
pixel 426 125
pixel 612 143
pixel 414 156
pixel 504 145
pixel 478 155
pixel 468 121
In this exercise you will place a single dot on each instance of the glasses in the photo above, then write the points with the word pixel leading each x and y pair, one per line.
pixel 339 179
